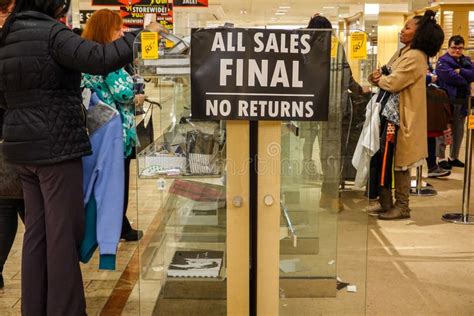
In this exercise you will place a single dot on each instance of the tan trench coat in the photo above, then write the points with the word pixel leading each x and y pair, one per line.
pixel 408 78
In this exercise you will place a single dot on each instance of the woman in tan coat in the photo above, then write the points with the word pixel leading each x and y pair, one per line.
pixel 422 38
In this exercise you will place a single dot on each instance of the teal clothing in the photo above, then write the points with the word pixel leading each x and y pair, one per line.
pixel 116 90
pixel 89 243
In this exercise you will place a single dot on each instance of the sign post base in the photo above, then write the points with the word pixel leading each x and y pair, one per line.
pixel 458 218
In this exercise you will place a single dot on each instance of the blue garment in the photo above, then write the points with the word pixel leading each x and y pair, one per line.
pixel 451 81
pixel 103 186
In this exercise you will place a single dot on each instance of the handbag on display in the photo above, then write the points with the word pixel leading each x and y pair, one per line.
pixel 202 153
pixel 145 132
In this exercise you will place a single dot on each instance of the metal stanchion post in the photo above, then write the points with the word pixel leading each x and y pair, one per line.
pixel 419 189
pixel 464 217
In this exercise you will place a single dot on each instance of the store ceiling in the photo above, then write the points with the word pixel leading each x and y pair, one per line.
pixel 280 12
pixel 300 11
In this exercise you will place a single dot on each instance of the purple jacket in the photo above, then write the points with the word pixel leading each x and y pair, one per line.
pixel 449 80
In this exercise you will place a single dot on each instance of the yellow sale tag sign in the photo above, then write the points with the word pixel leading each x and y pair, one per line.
pixel 358 45
pixel 334 45
pixel 149 45
pixel 471 122
pixel 169 44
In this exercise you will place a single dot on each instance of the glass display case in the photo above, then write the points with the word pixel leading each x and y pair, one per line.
pixel 323 243
pixel 188 198
pixel 181 195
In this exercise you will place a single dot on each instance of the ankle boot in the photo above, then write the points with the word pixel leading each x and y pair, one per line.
pixel 402 194
pixel 385 203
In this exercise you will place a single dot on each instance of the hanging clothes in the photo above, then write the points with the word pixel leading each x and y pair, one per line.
pixel 116 90
pixel 103 186
pixel 369 140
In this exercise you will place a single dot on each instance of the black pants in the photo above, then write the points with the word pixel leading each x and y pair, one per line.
pixel 431 160
pixel 9 210
pixel 51 281
pixel 126 227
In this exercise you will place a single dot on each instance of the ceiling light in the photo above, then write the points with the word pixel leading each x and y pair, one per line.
pixel 280 13
pixel 281 10
pixel 285 7
pixel 371 8
pixel 326 8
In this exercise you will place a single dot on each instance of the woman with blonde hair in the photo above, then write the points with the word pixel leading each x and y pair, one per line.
pixel 116 90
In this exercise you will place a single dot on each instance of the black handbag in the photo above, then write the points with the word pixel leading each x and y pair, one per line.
pixel 145 132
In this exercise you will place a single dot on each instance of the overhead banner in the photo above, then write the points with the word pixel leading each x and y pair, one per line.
pixel 158 5
pixel 191 3
pixel 166 21
pixel 133 15
pixel 256 74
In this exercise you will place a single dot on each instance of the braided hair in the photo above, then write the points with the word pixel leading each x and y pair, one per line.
pixel 429 35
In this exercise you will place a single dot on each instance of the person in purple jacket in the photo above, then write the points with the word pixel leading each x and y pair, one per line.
pixel 455 73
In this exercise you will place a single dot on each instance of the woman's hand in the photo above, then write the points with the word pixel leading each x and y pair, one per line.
pixel 156 27
pixel 375 77
pixel 139 99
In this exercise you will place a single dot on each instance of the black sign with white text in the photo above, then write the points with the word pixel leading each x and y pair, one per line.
pixel 256 74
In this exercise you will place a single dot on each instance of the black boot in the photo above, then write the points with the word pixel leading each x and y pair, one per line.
pixel 132 235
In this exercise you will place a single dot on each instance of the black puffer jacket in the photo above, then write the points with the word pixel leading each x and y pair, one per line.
pixel 41 61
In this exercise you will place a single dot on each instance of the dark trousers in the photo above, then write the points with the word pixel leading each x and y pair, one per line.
pixel 126 227
pixel 431 160
pixel 51 282
pixel 9 210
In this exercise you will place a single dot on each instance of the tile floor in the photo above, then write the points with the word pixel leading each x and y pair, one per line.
pixel 422 266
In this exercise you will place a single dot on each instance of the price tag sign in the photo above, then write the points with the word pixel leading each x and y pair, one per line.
pixel 169 44
pixel 358 45
pixel 471 122
pixel 334 45
pixel 149 45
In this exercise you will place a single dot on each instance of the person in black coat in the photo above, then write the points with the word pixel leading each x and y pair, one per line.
pixel 11 201
pixel 45 136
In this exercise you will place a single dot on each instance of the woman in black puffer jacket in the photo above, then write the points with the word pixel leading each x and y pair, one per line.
pixel 11 195
pixel 45 135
